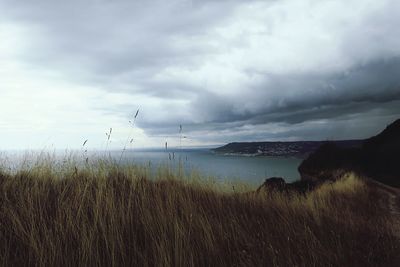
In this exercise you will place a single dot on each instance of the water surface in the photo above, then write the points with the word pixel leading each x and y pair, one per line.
pixel 249 169
pixel 223 167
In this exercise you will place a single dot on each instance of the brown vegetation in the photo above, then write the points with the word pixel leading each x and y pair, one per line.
pixel 106 215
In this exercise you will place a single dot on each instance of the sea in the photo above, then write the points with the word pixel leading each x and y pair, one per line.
pixel 238 168
pixel 253 169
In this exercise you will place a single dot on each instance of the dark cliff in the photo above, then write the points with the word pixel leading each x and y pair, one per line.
pixel 378 158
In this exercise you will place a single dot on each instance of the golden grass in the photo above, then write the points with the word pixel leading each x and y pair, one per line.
pixel 105 215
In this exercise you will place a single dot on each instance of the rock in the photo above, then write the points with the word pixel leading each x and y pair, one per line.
pixel 273 184
pixel 278 184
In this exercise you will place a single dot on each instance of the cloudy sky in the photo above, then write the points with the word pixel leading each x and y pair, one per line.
pixel 225 70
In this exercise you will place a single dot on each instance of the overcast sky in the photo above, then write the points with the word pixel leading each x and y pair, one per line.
pixel 224 70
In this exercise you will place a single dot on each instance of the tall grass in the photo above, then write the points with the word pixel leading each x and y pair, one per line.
pixel 108 215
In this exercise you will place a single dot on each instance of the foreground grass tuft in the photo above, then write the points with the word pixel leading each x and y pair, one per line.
pixel 105 215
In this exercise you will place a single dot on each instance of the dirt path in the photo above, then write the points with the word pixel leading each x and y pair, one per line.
pixel 392 204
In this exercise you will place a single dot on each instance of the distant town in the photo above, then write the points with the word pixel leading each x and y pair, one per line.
pixel 297 148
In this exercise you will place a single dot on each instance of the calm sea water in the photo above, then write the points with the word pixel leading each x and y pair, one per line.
pixel 239 168
pixel 249 169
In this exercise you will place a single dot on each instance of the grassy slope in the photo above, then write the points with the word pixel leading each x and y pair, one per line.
pixel 112 216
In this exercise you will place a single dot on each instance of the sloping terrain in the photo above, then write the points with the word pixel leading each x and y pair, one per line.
pixel 297 148
pixel 378 158
pixel 112 216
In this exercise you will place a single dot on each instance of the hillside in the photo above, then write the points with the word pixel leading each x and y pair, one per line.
pixel 378 157
pixel 107 215
pixel 297 148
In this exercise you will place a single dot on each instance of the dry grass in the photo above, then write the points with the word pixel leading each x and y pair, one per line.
pixel 104 215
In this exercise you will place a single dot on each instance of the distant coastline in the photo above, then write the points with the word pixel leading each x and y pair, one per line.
pixel 285 149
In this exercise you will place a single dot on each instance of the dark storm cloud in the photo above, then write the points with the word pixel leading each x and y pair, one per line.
pixel 226 69
pixel 355 91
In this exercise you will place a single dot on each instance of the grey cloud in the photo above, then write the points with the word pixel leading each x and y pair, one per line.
pixel 352 91
pixel 122 46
